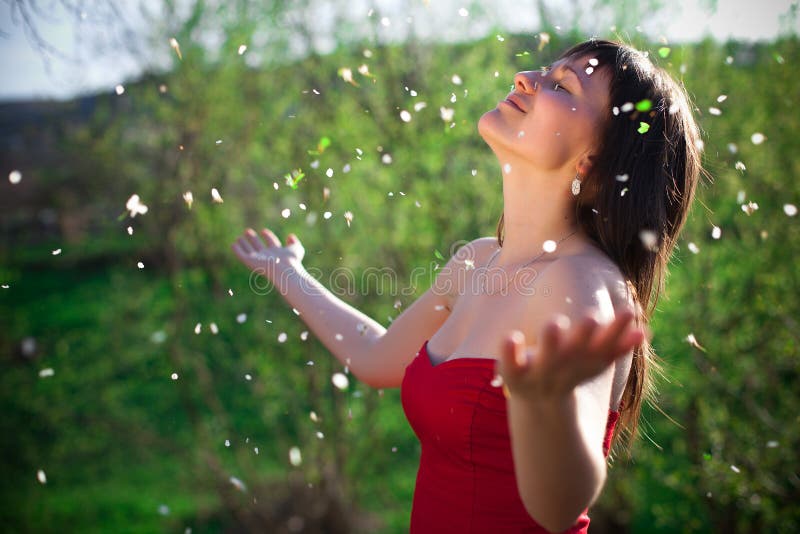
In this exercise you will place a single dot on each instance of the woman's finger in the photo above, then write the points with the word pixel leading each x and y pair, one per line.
pixel 513 359
pixel 611 337
pixel 627 341
pixel 238 251
pixel 254 240
pixel 582 333
pixel 271 239
pixel 551 334
pixel 245 246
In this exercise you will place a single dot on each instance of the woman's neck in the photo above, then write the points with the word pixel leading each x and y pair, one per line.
pixel 536 208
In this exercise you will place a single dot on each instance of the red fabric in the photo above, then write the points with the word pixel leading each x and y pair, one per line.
pixel 465 482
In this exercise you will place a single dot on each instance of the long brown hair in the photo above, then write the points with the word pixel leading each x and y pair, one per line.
pixel 651 136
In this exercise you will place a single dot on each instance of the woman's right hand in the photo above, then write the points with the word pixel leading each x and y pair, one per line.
pixel 268 256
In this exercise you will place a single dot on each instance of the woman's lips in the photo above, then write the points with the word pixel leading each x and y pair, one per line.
pixel 513 104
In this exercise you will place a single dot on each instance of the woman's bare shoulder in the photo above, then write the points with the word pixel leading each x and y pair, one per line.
pixel 453 279
pixel 586 279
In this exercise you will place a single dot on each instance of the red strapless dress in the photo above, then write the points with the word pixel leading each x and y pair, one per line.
pixel 465 483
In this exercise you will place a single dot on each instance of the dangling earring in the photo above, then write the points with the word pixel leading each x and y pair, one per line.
pixel 576 185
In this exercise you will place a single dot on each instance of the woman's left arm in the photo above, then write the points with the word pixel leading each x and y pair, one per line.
pixel 558 399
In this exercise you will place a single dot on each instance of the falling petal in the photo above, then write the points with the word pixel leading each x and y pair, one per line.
pixel 757 138
pixel 750 207
pixel 174 376
pixel 464 12
pixel 663 51
pixel 715 111
pixel 295 458
pixel 46 372
pixel 716 232
pixel 215 196
pixel 740 166
pixel 241 318
pixel 405 116
pixel 242 49
pixel 446 113
pixel 694 249
pixel 644 105
pixel 198 328
pixel 56 252
pixel 41 477
pixel 348 216
pixel 119 89
pixel 790 210
pixel 135 206
pixel 175 46
pixel 238 484
pixel 692 340
pixel 14 177
pixel 282 337
pixel 340 381
pixel 649 239
pixel 643 127
pixel 456 79
pixel 188 198
pixel 544 38
pixel 347 76
pixel 549 246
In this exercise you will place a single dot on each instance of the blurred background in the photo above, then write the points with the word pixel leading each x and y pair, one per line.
pixel 148 384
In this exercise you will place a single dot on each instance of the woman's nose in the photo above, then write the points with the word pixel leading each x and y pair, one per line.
pixel 526 81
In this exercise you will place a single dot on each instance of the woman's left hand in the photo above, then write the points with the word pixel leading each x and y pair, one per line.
pixel 565 356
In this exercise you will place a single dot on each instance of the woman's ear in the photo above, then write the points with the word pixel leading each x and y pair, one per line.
pixel 584 164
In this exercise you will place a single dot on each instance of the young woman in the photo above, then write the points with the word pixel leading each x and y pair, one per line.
pixel 532 343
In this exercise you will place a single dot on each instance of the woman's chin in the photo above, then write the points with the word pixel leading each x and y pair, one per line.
pixel 487 125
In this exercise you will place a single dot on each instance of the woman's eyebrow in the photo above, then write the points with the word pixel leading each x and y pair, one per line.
pixel 572 71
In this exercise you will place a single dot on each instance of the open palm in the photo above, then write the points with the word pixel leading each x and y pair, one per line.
pixel 566 355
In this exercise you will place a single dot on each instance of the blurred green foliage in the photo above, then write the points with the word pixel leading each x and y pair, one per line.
pixel 127 448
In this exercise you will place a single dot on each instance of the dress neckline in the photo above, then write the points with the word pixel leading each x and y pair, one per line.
pixel 482 361
pixel 466 359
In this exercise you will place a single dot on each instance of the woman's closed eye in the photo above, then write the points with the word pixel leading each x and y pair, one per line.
pixel 558 86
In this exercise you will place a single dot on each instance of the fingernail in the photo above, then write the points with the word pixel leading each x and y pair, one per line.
pixel 562 321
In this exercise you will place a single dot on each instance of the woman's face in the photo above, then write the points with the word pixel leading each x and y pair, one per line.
pixel 553 117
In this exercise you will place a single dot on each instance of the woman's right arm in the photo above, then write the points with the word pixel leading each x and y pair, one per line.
pixel 375 355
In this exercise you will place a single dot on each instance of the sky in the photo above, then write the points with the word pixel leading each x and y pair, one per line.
pixel 80 68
